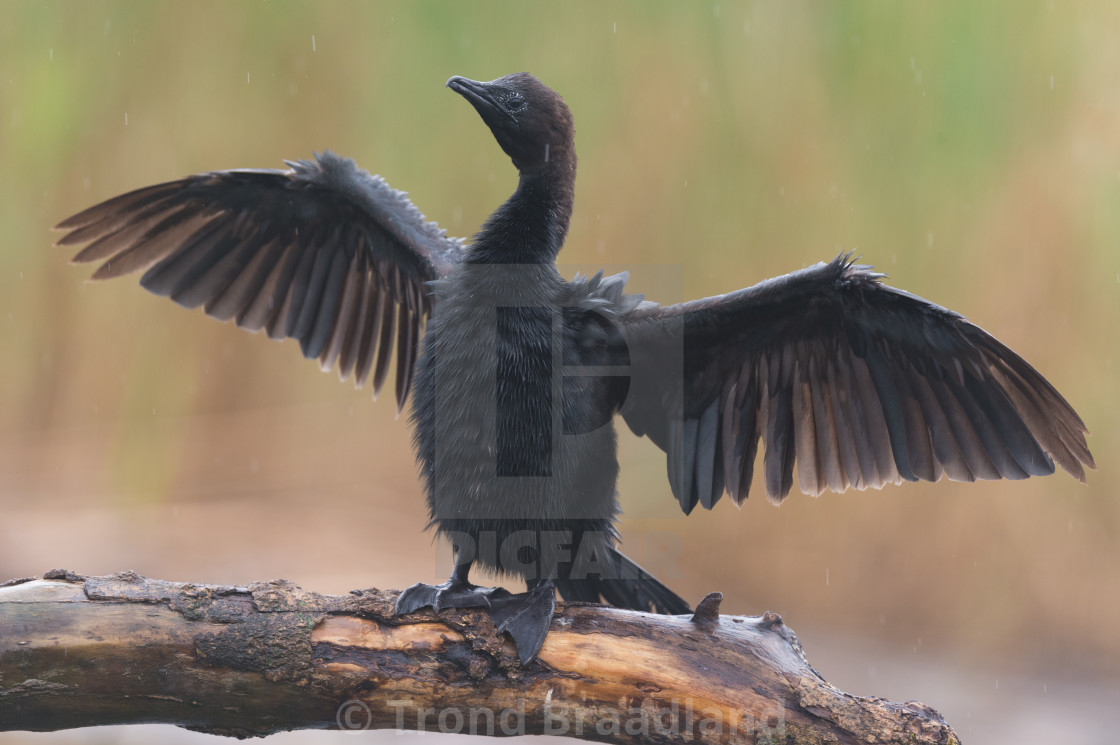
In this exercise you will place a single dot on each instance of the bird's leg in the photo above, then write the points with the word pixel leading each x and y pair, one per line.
pixel 456 592
pixel 526 617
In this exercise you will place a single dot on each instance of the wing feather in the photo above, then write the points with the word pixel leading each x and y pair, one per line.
pixel 385 342
pixel 306 286
pixel 843 429
pixel 749 418
pixel 326 312
pixel 828 443
pixel 322 252
pixel 348 307
pixel 945 447
pixel 878 432
pixel 378 299
pixel 856 383
pixel 804 430
pixel 707 442
pixel 243 290
pixel 778 459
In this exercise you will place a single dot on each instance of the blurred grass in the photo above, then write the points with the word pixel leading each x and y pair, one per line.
pixel 971 151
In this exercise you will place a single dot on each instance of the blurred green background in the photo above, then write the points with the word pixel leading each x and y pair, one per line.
pixel 970 151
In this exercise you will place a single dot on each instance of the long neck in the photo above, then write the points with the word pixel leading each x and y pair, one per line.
pixel 530 227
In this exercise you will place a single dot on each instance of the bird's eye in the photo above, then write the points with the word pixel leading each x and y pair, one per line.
pixel 515 104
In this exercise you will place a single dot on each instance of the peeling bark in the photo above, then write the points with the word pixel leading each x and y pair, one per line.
pixel 81 651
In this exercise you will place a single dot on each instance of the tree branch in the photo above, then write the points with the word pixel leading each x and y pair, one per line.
pixel 80 651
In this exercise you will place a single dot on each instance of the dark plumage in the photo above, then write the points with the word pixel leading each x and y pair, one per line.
pixel 521 372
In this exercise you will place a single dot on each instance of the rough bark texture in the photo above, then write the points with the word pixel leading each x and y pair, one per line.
pixel 80 651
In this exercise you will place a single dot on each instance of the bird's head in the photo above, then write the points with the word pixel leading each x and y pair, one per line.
pixel 529 120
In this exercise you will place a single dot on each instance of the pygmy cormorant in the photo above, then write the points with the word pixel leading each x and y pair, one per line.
pixel 520 373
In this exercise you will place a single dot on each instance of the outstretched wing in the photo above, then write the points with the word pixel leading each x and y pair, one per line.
pixel 857 383
pixel 323 252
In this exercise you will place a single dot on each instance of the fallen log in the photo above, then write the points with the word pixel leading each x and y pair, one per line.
pixel 81 651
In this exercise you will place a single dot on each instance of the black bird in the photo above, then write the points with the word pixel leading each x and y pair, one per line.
pixel 521 373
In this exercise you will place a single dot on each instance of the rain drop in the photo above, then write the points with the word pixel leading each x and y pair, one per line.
pixel 52 54
pixel 248 78
pixel 126 118
pixel 826 582
pixel 312 42
pixel 1051 82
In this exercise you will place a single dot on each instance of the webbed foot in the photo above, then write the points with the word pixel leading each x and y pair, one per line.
pixel 451 594
pixel 526 617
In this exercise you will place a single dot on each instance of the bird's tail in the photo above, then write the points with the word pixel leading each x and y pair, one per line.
pixel 630 587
